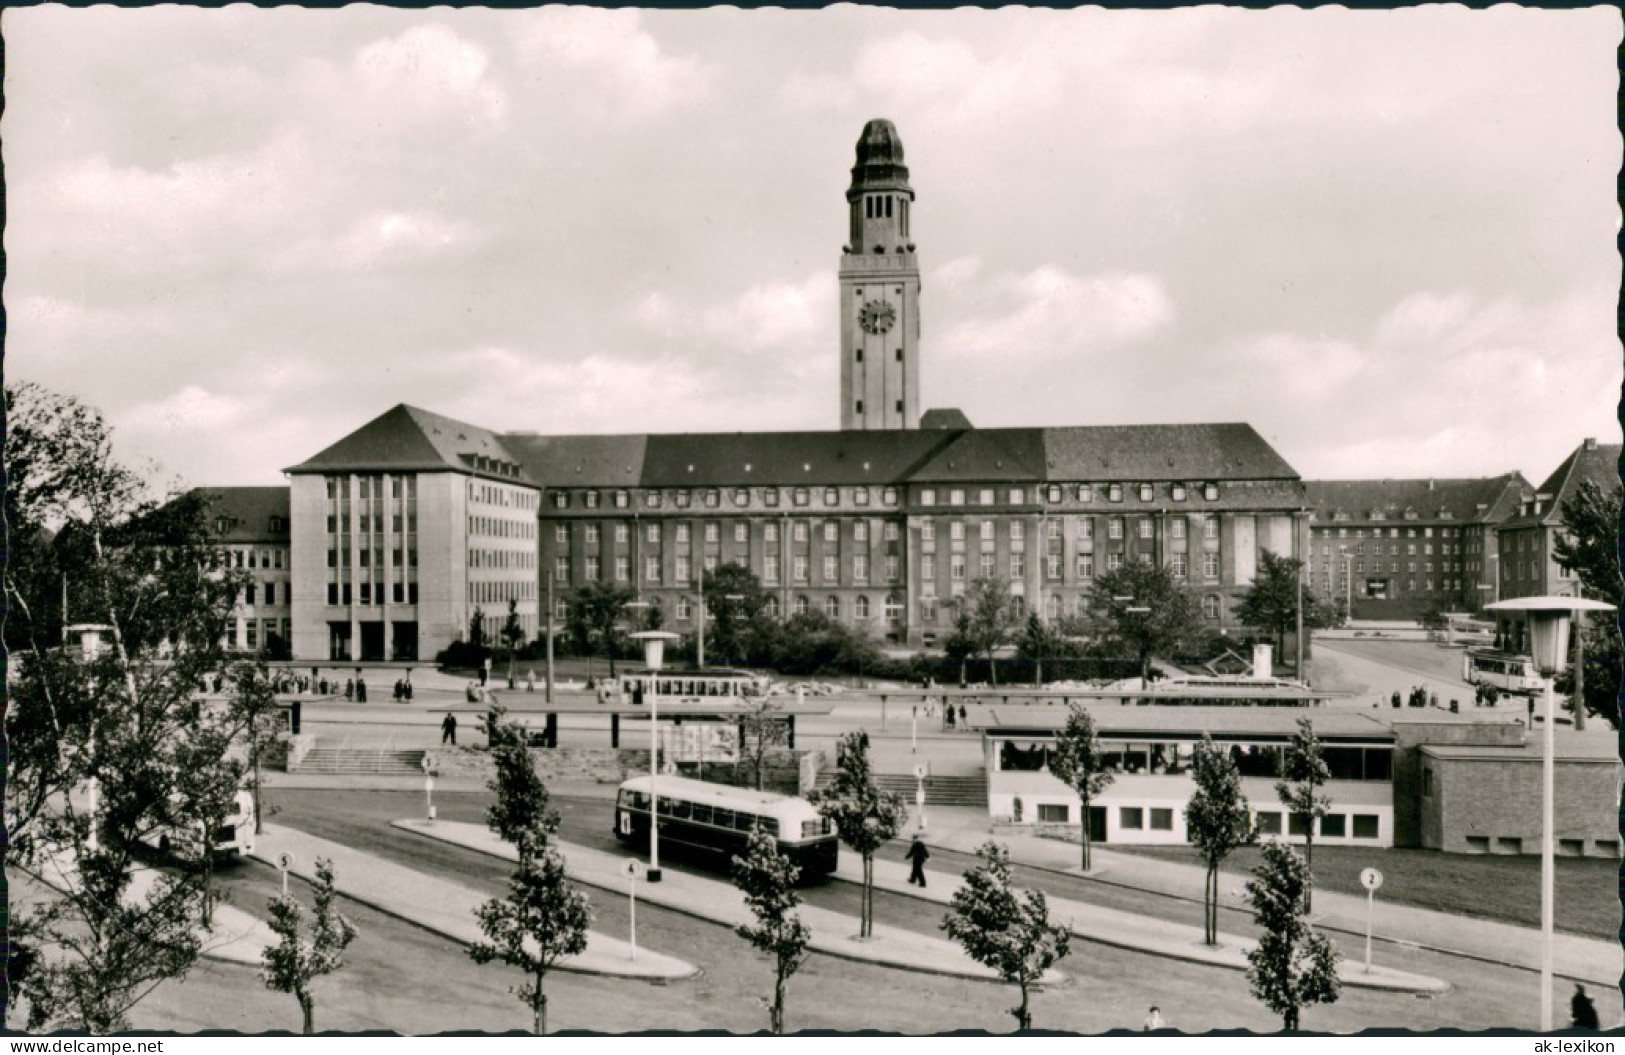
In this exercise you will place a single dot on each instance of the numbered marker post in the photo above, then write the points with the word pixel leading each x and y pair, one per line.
pixel 1371 879
pixel 633 867
pixel 284 862
pixel 919 792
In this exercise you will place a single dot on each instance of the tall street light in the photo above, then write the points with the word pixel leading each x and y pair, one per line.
pixel 654 652
pixel 1548 620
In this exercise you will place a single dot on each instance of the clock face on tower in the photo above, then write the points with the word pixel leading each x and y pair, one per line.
pixel 877 316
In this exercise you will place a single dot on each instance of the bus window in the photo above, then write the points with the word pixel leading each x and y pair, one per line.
pixel 665 807
pixel 744 822
pixel 640 800
pixel 702 813
pixel 769 825
pixel 815 827
pixel 722 818
pixel 681 809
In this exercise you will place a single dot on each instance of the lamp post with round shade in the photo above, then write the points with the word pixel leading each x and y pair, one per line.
pixel 1547 620
pixel 654 652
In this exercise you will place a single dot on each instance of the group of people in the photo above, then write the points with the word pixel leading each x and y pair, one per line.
pixel 403 690
pixel 929 710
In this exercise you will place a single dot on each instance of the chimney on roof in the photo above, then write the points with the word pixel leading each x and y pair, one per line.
pixel 1591 443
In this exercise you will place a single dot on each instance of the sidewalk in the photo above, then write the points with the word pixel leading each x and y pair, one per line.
pixel 1582 959
pixel 235 936
pixel 1131 930
pixel 832 932
pixel 444 907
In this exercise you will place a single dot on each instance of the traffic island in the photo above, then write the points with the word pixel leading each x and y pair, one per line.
pixel 444 907
pixel 833 933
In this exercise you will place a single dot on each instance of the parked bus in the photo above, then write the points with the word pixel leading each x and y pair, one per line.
pixel 232 837
pixel 1507 671
pixel 679 685
pixel 717 819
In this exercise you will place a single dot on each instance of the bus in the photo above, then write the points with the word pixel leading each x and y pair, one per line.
pixel 681 686
pixel 232 837
pixel 1506 671
pixel 716 820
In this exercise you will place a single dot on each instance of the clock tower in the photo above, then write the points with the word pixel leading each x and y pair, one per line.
pixel 880 290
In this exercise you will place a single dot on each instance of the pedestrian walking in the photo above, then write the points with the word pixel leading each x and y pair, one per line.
pixel 349 689
pixel 530 681
pixel 448 729
pixel 361 690
pixel 917 856
pixel 400 690
pixel 408 689
pixel 1153 1020
pixel 961 714
pixel 1582 1010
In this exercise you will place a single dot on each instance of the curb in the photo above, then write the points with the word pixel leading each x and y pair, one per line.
pixel 1402 942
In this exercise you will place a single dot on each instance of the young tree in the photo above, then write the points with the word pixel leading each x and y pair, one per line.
pixel 1004 928
pixel 865 817
pixel 1143 611
pixel 544 917
pixel 596 613
pixel 1303 773
pixel 958 646
pixel 297 960
pixel 1271 602
pixel 254 709
pixel 1217 821
pixel 1293 965
pixel 1077 761
pixel 767 879
pixel 1587 548
pixel 513 635
pixel 989 617
pixel 476 631
pixel 763 727
pixel 109 748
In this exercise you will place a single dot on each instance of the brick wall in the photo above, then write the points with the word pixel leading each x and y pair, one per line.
pixel 1492 805
pixel 1408 737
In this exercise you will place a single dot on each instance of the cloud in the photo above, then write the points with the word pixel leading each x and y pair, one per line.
pixel 427 70
pixel 606 56
pixel 1051 314
pixel 191 410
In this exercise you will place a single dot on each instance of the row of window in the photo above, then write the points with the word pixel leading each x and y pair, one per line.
pixel 256 558
pixel 372 523
pixel 683 533
pixel 364 557
pixel 711 497
pixel 1161 819
pixel 252 633
pixel 501 496
pixel 400 487
pixel 1427 532
pixel 1410 567
pixel 398 593
pixel 1445 550
pixel 1251 760
pixel 500 592
pixel 1376 588
pixel 501 558
pixel 500 528
pixel 265 593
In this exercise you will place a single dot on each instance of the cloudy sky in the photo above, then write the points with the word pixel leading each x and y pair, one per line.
pixel 1385 239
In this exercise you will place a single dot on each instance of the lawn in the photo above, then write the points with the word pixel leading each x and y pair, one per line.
pixel 1489 887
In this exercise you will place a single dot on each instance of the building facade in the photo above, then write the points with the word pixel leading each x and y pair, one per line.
pixel 253 527
pixel 1527 541
pixel 1393 549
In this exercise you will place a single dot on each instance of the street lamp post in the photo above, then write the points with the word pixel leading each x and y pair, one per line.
pixel 1548 620
pixel 654 651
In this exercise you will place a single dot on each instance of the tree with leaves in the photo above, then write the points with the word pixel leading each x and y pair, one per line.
pixel 544 918
pixel 738 627
pixel 297 960
pixel 1271 602
pixel 107 749
pixel 1078 762
pixel 767 879
pixel 255 709
pixel 1036 642
pixel 1587 548
pixel 763 726
pixel 476 632
pixel 864 816
pixel 1293 965
pixel 1303 774
pixel 1004 928
pixel 989 618
pixel 1142 610
pixel 513 635
pixel 1217 821
pixel 596 612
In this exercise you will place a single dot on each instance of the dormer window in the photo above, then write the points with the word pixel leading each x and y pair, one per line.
pixel 801 496
pixel 1179 492
pixel 651 499
pixel 1086 493
pixel 860 496
pixel 561 500
pixel 590 499
pixel 1210 492
pixel 1377 514
pixel 889 496
pixel 1114 493
pixel 683 498
pixel 1147 492
pixel 770 496
pixel 713 498
pixel 832 496
pixel 1052 494
pixel 622 499
pixel 741 496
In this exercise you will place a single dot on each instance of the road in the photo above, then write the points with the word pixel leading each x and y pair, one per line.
pixel 405 979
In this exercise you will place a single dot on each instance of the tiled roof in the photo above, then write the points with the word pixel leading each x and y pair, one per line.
pixel 248 512
pixel 986 454
pixel 405 439
pixel 787 458
pixel 1429 499
pixel 1133 453
pixel 1598 464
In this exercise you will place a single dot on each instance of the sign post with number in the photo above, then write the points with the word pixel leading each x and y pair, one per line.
pixel 920 772
pixel 284 862
pixel 1371 879
pixel 428 783
pixel 633 867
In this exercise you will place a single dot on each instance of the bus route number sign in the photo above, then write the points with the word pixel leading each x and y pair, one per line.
pixel 633 867
pixel 1370 878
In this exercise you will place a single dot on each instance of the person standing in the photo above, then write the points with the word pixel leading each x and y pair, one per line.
pixel 917 856
pixel 1582 1010
pixel 1153 1020
pixel 448 729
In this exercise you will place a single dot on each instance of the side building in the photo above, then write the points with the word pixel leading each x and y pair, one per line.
pixel 1392 549
pixel 254 531
pixel 1527 541
pixel 408 525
